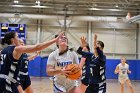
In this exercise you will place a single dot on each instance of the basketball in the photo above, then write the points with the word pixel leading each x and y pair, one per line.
pixel 75 71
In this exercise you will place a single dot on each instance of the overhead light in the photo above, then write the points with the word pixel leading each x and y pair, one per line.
pixel 18 5
pixel 105 9
pixel 37 2
pixel 116 6
pixel 114 9
pixel 16 1
pixel 38 6
pixel 94 4
pixel 95 9
pixel 35 6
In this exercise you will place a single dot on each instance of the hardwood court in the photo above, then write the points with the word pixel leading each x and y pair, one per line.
pixel 44 85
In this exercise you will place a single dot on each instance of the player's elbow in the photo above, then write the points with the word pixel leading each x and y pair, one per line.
pixel 115 72
pixel 47 70
pixel 49 73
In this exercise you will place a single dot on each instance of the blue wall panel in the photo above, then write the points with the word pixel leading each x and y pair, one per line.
pixel 133 66
pixel 137 70
pixel 110 67
pixel 133 69
pixel 43 66
pixel 37 67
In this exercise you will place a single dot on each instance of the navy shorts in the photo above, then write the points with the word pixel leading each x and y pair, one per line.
pixel 96 88
pixel 25 81
pixel 13 87
pixel 3 84
pixel 85 79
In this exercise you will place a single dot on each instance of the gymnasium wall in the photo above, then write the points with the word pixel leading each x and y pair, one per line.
pixel 138 35
pixel 120 38
pixel 37 67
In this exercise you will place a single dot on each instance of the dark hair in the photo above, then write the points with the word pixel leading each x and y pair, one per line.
pixel 56 36
pixel 7 38
pixel 56 43
pixel 126 62
pixel 101 43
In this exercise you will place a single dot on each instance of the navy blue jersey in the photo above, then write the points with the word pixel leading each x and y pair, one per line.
pixel 24 64
pixel 98 69
pixel 86 73
pixel 24 78
pixel 9 68
pixel 97 65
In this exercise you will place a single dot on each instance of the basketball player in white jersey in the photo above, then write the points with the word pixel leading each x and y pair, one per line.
pixel 57 60
pixel 122 70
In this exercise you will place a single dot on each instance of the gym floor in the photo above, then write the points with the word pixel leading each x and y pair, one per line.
pixel 44 85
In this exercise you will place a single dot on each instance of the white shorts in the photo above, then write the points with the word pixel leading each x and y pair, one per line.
pixel 64 85
pixel 122 79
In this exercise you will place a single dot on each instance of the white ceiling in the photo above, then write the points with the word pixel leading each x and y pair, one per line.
pixel 72 7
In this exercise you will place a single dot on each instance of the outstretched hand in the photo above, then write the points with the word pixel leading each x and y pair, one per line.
pixel 83 42
pixel 60 35
pixel 95 36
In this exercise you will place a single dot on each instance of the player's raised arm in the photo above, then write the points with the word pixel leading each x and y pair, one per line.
pixel 95 45
pixel 33 48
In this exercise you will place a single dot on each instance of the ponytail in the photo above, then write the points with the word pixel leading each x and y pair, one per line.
pixel 3 41
pixel 7 38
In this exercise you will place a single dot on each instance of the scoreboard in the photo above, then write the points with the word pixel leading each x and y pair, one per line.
pixel 20 28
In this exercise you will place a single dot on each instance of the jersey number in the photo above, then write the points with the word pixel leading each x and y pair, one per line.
pixel 2 58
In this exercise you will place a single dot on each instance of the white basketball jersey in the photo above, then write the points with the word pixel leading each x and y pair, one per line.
pixel 60 61
pixel 123 69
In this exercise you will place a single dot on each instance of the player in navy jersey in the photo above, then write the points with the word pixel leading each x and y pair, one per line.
pixel 10 60
pixel 23 73
pixel 97 80
pixel 84 64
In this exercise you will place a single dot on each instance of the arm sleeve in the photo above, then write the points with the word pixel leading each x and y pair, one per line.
pixel 84 54
pixel 51 59
pixel 79 50
pixel 100 53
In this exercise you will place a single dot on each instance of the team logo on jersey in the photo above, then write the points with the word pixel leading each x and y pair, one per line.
pixel 62 64
pixel 15 62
